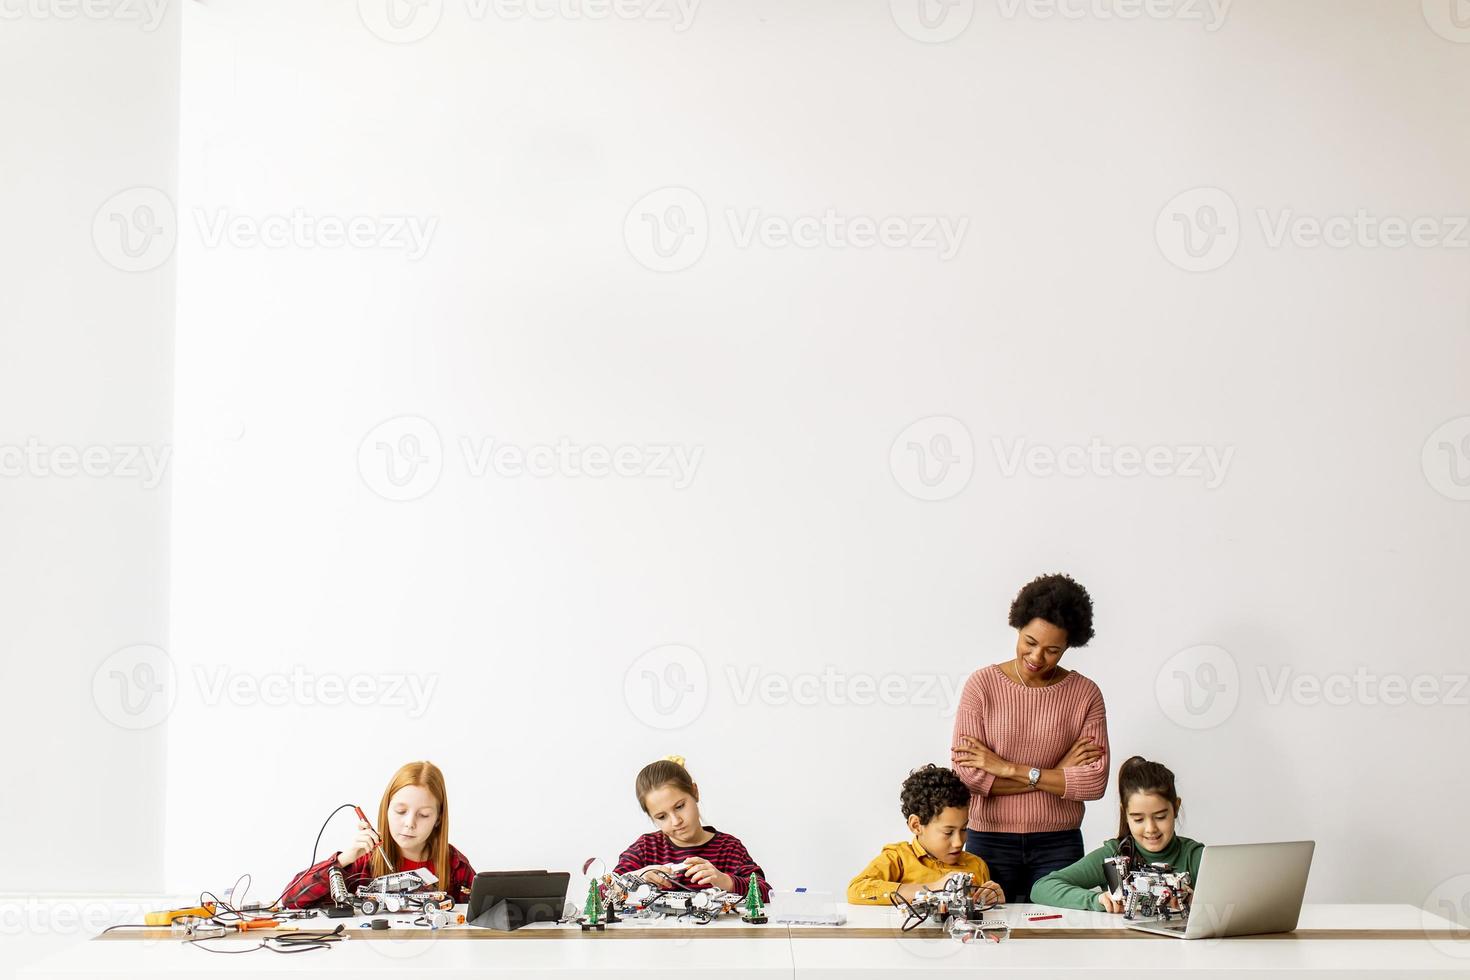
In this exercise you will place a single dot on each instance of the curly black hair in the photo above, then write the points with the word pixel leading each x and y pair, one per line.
pixel 1059 600
pixel 929 789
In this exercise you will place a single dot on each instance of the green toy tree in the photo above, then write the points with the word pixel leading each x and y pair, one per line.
pixel 593 909
pixel 755 910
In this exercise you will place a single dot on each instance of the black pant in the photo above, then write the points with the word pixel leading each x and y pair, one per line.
pixel 1016 861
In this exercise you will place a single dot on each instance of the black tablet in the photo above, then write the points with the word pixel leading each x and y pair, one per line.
pixel 507 900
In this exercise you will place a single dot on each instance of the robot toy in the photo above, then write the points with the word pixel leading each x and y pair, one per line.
pixel 397 892
pixel 630 896
pixel 1148 891
pixel 954 906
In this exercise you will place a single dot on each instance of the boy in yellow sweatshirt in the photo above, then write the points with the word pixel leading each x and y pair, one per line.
pixel 937 807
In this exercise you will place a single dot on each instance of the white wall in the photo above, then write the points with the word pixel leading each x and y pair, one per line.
pixel 90 114
pixel 532 318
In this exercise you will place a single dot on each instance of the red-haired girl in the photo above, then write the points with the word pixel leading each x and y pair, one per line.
pixel 414 813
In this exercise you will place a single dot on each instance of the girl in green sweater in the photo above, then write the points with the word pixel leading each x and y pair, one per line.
pixel 1148 805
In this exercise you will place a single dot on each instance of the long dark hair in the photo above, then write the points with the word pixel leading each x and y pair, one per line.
pixel 1138 775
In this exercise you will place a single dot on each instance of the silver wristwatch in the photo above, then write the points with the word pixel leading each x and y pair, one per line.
pixel 1033 777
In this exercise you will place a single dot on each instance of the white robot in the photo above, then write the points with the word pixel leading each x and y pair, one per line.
pixel 1148 891
pixel 396 892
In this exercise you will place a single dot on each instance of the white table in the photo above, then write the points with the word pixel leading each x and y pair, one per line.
pixel 1336 940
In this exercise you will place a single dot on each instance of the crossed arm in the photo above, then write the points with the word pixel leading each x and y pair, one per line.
pixel 1012 778
pixel 988 773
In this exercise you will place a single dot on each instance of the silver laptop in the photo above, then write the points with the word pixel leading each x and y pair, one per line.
pixel 1244 890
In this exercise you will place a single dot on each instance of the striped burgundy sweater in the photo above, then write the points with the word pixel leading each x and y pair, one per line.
pixel 1031 726
pixel 722 850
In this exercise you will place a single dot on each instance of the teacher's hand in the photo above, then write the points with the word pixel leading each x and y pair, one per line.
pixel 1083 752
pixel 976 755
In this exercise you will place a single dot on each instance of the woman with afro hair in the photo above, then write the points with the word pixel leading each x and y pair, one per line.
pixel 1031 741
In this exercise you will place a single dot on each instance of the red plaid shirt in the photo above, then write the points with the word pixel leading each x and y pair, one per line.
pixel 313 886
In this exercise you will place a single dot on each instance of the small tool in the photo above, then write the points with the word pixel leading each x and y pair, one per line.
pixel 205 911
pixel 379 845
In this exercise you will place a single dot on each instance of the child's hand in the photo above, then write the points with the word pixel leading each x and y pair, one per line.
pixel 1111 904
pixel 990 893
pixel 362 844
pixel 706 875
pixel 656 874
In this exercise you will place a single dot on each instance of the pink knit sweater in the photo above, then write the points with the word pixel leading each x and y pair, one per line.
pixel 1032 726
